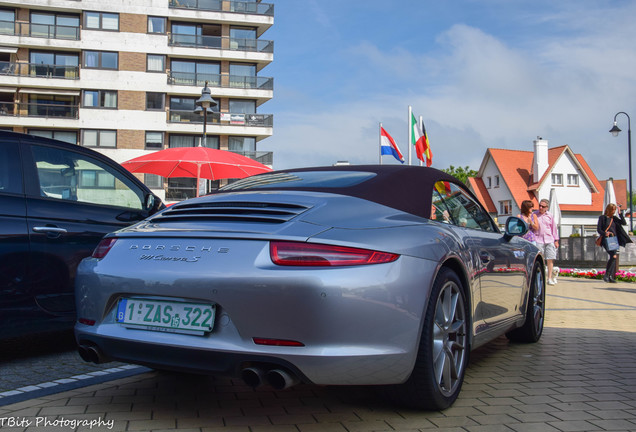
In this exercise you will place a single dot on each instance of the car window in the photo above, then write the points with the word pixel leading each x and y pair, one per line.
pixel 450 204
pixel 67 175
pixel 10 169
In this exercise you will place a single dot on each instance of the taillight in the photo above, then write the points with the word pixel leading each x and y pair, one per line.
pixel 307 254
pixel 103 247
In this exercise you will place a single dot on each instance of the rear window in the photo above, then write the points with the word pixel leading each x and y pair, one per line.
pixel 301 180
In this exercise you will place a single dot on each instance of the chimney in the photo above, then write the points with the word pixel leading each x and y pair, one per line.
pixel 540 164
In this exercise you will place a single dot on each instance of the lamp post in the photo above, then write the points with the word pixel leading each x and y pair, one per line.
pixel 614 131
pixel 204 104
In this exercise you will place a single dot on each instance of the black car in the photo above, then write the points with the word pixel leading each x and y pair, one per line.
pixel 57 200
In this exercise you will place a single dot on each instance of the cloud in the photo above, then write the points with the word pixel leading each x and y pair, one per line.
pixel 564 77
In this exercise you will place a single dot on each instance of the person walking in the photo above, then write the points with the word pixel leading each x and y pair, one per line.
pixel 547 236
pixel 530 219
pixel 611 225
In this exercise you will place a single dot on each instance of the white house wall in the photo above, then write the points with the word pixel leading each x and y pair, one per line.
pixel 498 193
pixel 581 194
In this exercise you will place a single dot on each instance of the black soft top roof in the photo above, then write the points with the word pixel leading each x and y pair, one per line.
pixel 405 188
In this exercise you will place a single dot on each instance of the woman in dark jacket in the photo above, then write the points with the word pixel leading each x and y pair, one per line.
pixel 605 229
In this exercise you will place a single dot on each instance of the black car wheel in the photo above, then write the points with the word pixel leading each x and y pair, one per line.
pixel 535 312
pixel 444 349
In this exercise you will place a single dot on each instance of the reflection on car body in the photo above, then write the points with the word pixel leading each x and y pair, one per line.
pixel 382 275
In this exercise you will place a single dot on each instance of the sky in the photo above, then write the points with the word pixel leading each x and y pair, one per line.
pixel 481 73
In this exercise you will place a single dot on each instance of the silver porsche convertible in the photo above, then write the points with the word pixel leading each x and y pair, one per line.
pixel 349 275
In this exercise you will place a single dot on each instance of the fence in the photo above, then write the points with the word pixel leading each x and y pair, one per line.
pixel 582 252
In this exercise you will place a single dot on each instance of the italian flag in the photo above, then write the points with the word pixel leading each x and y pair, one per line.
pixel 420 141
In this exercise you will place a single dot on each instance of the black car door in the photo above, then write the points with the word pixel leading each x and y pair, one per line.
pixel 14 239
pixel 73 200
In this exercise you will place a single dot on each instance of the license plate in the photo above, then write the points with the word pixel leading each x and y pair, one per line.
pixel 166 316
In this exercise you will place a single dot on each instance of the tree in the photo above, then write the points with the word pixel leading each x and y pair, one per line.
pixel 460 173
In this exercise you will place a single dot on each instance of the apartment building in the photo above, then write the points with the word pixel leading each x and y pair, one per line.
pixel 122 76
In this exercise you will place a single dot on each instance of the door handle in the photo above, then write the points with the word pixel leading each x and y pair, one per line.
pixel 50 230
pixel 484 257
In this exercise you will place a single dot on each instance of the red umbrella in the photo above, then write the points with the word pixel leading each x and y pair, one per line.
pixel 196 162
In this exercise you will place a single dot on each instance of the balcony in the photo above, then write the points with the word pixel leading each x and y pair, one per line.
pixel 39 70
pixel 39 30
pixel 46 110
pixel 234 119
pixel 246 7
pixel 223 81
pixel 221 42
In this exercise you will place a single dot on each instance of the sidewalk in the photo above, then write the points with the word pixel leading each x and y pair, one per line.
pixel 581 376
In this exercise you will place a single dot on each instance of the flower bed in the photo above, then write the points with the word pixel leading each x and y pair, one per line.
pixel 621 275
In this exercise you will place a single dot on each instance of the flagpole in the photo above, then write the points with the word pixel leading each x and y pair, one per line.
pixel 421 123
pixel 410 141
pixel 380 142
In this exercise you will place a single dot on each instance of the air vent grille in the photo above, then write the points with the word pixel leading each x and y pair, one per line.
pixel 229 211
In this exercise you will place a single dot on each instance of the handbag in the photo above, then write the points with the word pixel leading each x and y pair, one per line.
pixel 611 243
pixel 599 239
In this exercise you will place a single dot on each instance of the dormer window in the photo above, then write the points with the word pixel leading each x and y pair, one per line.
pixel 557 179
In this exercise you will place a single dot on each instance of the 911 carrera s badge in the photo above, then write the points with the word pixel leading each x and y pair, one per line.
pixel 147 257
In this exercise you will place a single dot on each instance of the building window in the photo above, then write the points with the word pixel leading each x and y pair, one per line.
pixel 154 140
pixel 51 25
pixel 243 145
pixel 101 60
pixel 155 101
pixel 96 179
pixel 60 135
pixel 557 179
pixel 573 179
pixel 505 207
pixel 156 25
pixel 7 21
pixel 153 181
pixel 99 138
pixel 99 99
pixel 488 182
pixel 101 21
pixel 242 75
pixel 45 105
pixel 242 106
pixel 243 38
pixel 195 73
pixel 48 63
pixel 496 181
pixel 156 63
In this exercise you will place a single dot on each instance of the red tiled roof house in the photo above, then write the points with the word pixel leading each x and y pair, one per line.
pixel 508 177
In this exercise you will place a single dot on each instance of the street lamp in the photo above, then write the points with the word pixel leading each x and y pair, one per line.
pixel 614 131
pixel 204 104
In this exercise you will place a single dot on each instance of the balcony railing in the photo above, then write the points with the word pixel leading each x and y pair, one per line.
pixel 218 80
pixel 39 30
pixel 47 110
pixel 248 7
pixel 266 158
pixel 40 70
pixel 221 42
pixel 239 119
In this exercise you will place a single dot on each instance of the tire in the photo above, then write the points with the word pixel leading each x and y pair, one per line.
pixel 443 351
pixel 532 327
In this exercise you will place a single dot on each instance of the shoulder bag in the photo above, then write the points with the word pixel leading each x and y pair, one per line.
pixel 599 240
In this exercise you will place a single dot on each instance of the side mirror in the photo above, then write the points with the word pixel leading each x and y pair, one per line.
pixel 515 227
pixel 152 203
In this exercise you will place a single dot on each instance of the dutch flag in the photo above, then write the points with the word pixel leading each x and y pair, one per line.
pixel 388 146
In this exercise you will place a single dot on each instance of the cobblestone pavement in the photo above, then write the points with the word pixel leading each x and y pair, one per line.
pixel 581 376
pixel 34 360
